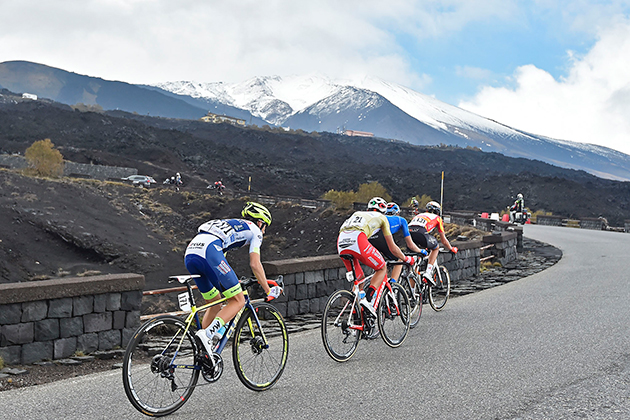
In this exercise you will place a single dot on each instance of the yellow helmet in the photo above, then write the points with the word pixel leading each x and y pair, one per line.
pixel 256 211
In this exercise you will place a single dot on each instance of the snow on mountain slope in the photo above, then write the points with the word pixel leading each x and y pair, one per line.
pixel 274 99
pixel 301 92
pixel 314 102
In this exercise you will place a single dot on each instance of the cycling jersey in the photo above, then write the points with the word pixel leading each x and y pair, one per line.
pixel 353 240
pixel 234 233
pixel 368 222
pixel 396 223
pixel 205 254
pixel 428 221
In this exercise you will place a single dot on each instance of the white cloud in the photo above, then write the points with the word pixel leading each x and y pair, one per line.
pixel 147 41
pixel 590 105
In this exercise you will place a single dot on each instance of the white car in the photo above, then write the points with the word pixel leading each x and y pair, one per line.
pixel 140 180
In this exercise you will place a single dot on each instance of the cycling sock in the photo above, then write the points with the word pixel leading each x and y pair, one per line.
pixel 214 327
pixel 369 293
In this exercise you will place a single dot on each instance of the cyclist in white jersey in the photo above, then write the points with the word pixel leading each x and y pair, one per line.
pixel 205 255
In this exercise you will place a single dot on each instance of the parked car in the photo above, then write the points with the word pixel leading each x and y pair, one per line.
pixel 140 180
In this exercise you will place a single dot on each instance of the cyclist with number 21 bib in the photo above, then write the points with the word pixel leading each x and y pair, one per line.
pixel 205 255
pixel 420 228
pixel 353 240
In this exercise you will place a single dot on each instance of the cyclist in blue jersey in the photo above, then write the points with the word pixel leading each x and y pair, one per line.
pixel 205 255
pixel 396 223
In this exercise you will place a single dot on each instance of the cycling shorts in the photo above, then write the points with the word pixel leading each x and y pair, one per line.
pixel 355 243
pixel 216 273
pixel 422 238
pixel 378 241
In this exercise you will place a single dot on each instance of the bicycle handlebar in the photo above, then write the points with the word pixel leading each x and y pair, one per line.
pixel 248 282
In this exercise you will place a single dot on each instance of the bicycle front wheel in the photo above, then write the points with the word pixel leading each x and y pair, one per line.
pixel 393 315
pixel 160 366
pixel 438 294
pixel 415 298
pixel 261 347
pixel 340 326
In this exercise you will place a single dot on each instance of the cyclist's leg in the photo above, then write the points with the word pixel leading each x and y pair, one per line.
pixel 225 280
pixel 378 241
pixel 425 240
pixel 373 259
pixel 347 245
pixel 196 264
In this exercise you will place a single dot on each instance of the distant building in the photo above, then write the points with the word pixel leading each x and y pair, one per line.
pixel 358 133
pixel 216 119
pixel 29 96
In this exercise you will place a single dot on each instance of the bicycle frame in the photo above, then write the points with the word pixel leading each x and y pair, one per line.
pixel 377 296
pixel 193 316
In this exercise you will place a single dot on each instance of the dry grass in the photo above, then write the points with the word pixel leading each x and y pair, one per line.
pixel 88 273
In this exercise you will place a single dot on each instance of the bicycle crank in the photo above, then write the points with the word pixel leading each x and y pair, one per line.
pixel 212 367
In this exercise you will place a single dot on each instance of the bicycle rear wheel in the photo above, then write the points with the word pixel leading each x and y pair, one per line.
pixel 340 315
pixel 159 374
pixel 260 349
pixel 393 316
pixel 415 298
pixel 438 294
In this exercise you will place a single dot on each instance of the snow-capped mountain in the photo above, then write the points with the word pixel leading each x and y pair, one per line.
pixel 388 110
pixel 316 103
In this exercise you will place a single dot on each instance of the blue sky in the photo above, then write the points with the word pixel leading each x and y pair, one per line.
pixel 553 67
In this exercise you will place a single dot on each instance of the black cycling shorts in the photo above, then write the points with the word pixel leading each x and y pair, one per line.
pixel 378 241
pixel 422 238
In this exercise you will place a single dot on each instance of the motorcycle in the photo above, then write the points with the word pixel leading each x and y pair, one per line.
pixel 519 216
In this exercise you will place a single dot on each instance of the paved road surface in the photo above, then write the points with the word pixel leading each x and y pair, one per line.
pixel 555 345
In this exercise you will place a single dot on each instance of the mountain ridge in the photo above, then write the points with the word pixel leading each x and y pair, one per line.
pixel 395 112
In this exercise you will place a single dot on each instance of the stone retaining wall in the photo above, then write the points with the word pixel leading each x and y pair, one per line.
pixel 505 246
pixel 53 319
pixel 101 172
pixel 268 200
pixel 594 223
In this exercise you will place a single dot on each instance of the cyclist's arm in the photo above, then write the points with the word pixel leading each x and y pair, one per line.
pixel 394 248
pixel 445 241
pixel 258 270
pixel 411 245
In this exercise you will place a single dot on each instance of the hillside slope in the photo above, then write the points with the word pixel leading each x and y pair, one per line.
pixel 290 163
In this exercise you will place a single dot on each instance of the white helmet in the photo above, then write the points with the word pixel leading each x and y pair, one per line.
pixel 377 203
pixel 519 196
pixel 434 207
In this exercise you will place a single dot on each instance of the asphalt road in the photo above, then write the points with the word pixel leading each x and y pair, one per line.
pixel 555 345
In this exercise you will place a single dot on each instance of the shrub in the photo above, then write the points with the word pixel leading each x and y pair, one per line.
pixel 1 363
pixel 341 199
pixel 372 189
pixel 44 159
pixel 345 199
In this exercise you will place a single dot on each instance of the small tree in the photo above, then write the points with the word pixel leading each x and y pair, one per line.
pixel 341 199
pixel 44 159
pixel 372 189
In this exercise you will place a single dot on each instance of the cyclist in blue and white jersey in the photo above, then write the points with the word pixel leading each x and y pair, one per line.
pixel 205 255
pixel 396 223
